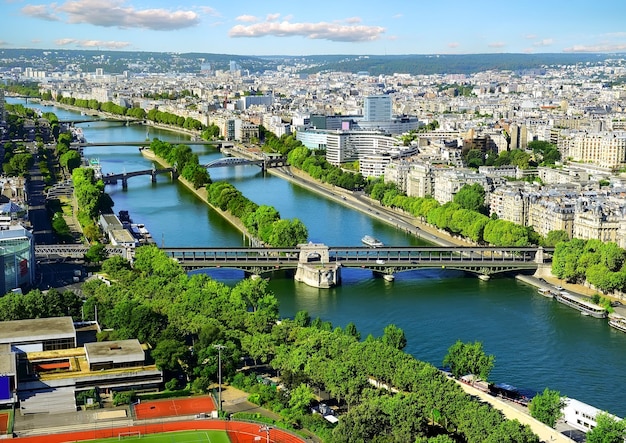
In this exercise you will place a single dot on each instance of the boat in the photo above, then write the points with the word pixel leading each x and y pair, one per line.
pixel 618 323
pixel 389 277
pixel 546 292
pixel 372 242
pixel 581 304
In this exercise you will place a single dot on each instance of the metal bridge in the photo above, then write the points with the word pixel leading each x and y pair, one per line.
pixel 388 260
pixel 147 143
pixel 75 252
pixel 265 163
pixel 111 179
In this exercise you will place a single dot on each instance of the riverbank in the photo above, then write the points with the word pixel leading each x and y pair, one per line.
pixel 202 194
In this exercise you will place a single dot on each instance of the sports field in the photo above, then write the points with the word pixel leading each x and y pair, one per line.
pixel 4 423
pixel 172 407
pixel 170 437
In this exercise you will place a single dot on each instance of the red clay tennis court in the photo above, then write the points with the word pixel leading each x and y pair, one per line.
pixel 4 423
pixel 174 407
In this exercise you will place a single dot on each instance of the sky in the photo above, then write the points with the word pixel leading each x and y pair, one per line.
pixel 297 27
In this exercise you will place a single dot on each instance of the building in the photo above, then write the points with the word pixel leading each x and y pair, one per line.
pixel 377 108
pixel 580 415
pixel 43 366
pixel 17 258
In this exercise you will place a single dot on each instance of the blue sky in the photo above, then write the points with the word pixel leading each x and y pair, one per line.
pixel 296 27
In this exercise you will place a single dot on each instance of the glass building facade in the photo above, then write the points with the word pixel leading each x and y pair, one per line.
pixel 17 259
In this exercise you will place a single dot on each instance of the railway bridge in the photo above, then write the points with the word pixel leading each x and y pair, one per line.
pixel 387 261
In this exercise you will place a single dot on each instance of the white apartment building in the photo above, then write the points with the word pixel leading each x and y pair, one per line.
pixel 605 149
pixel 449 181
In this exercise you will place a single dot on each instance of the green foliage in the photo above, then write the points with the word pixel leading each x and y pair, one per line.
pixel 60 228
pixel 608 430
pixel 123 398
pixel 469 358
pixel 394 336
pixel 546 407
pixel 601 264
pixel 555 237
pixel 36 304
pixel 546 153
pixel 471 197
pixel 263 222
pixel 96 253
pixel 184 159
pixel 70 160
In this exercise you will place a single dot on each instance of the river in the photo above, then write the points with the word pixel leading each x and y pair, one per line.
pixel 537 342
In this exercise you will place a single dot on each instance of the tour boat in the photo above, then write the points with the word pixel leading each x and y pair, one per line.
pixel 618 323
pixel 582 305
pixel 546 292
pixel 372 242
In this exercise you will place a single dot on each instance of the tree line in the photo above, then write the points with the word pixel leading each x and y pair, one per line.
pixel 602 264
pixel 262 222
pixel 183 317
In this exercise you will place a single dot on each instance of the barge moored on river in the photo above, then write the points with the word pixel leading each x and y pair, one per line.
pixel 585 307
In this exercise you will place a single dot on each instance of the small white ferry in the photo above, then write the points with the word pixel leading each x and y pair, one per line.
pixel 372 242
pixel 546 292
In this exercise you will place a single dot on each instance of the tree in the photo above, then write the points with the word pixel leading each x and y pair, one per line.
pixel 394 337
pixel 168 354
pixel 608 430
pixel 96 253
pixel 471 197
pixel 469 358
pixel 546 407
pixel 70 160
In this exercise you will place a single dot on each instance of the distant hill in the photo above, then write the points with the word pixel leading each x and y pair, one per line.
pixel 116 62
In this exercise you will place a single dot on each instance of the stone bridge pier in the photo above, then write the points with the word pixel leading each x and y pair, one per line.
pixel 315 268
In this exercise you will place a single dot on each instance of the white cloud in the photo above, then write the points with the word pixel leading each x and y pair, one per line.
pixel 316 31
pixel 272 17
pixel 497 45
pixel 604 47
pixel 113 13
pixel 40 12
pixel 453 45
pixel 247 18
pixel 65 41
pixel 530 36
pixel 209 11
pixel 397 16
pixel 91 43
pixel 544 42
pixel 353 20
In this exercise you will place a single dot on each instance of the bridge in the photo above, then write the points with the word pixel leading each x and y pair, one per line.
pixel 485 261
pixel 75 252
pixel 265 163
pixel 77 145
pixel 111 179
pixel 85 119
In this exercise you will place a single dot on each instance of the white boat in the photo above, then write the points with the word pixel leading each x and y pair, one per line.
pixel 389 277
pixel 372 242
pixel 546 292
pixel 582 305
pixel 618 323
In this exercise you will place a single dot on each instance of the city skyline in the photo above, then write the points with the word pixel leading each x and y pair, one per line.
pixel 285 28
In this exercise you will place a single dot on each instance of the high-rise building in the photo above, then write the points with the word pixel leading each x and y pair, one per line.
pixel 377 108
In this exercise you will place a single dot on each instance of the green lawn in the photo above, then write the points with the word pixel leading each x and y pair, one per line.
pixel 173 437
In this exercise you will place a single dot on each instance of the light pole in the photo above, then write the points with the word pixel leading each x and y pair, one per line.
pixel 267 432
pixel 219 376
